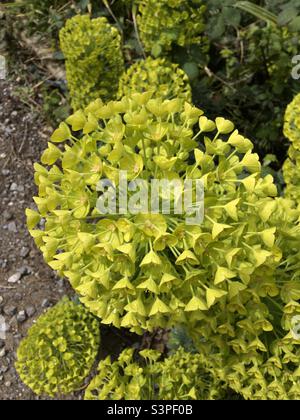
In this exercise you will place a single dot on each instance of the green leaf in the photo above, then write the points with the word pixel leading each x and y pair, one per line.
pixel 63 133
pixel 218 228
pixel 224 126
pixel 196 304
pixel 33 218
pixel 223 274
pixel 231 209
pixel 294 25
pixel 77 120
pixel 213 295
pixel 257 11
pixel 156 50
pixel 268 236
pixel 151 259
pixel 150 285
pixel 50 155
pixel 159 307
pixel 123 284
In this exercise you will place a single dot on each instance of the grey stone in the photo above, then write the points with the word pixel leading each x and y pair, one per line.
pixel 30 311
pixel 7 215
pixel 9 310
pixel 12 227
pixel 24 252
pixel 45 303
pixel 14 278
pixel 21 317
pixel 13 187
pixel 24 270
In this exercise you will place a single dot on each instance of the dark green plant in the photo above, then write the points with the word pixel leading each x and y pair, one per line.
pixel 94 60
pixel 59 350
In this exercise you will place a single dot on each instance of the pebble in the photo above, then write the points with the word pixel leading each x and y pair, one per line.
pixel 12 227
pixel 24 252
pixel 2 352
pixel 24 270
pixel 5 172
pixel 30 311
pixel 8 384
pixel 21 317
pixel 14 278
pixel 14 187
pixel 45 303
pixel 7 215
pixel 1 299
pixel 9 310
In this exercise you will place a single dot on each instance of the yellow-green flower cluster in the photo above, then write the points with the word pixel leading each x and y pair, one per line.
pixel 59 351
pixel 292 164
pixel 94 60
pixel 167 80
pixel 182 376
pixel 143 271
pixel 162 23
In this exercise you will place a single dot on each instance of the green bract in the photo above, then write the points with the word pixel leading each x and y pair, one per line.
pixel 165 22
pixel 182 376
pixel 166 79
pixel 292 164
pixel 94 61
pixel 59 351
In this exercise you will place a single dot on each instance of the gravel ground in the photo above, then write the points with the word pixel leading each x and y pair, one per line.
pixel 27 286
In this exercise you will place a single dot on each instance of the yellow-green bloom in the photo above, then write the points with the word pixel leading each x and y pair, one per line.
pixel 94 60
pixel 163 23
pixel 59 350
pixel 165 79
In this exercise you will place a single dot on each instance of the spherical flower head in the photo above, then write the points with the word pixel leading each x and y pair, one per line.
pixel 167 80
pixel 292 122
pixel 291 165
pixel 138 269
pixel 59 351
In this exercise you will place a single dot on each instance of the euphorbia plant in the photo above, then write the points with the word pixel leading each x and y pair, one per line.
pixel 94 60
pixel 60 349
pixel 181 376
pixel 162 23
pixel 152 270
pixel 292 164
pixel 167 80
